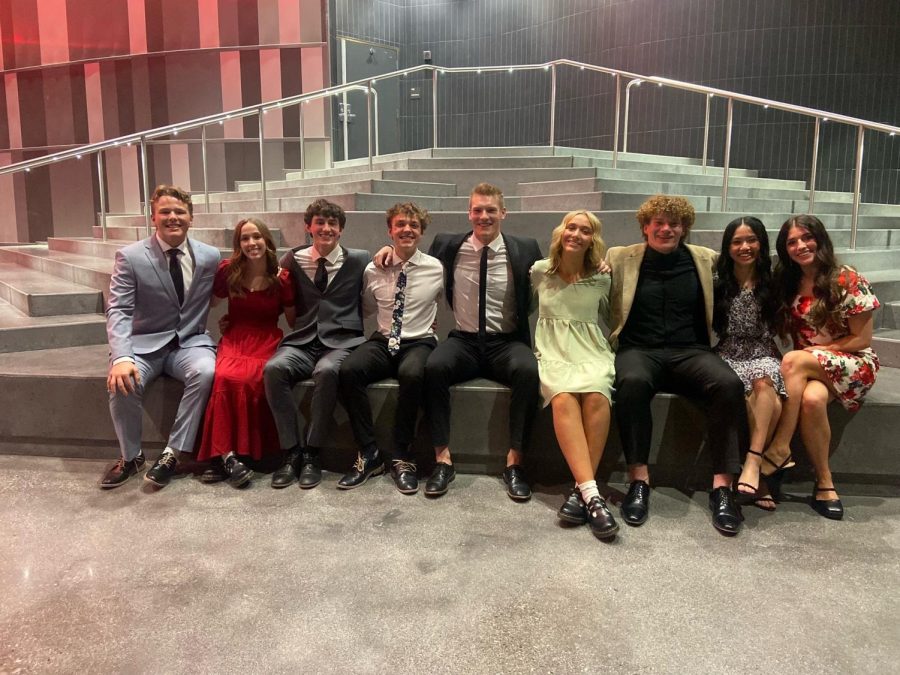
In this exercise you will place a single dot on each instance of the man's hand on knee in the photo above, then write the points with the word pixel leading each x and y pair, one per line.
pixel 123 377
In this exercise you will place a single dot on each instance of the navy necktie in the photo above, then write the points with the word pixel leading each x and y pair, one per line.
pixel 321 280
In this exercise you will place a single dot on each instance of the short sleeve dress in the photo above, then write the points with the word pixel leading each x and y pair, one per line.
pixel 238 417
pixel 748 346
pixel 572 354
pixel 852 374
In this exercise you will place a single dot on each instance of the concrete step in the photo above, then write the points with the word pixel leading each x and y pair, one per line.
pixel 889 315
pixel 863 443
pixel 414 189
pixel 637 160
pixel 382 202
pixel 219 201
pixel 886 343
pixel 36 293
pixel 506 179
pixel 509 151
pixel 85 270
pixel 131 228
pixel 434 164
pixel 321 179
pixel 22 333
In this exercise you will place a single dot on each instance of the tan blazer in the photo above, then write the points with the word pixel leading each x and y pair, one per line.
pixel 626 267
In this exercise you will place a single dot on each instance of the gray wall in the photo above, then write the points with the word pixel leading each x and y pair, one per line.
pixel 842 57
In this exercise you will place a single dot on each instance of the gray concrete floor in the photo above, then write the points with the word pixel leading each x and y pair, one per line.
pixel 209 579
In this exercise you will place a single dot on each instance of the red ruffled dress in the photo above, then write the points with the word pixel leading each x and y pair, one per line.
pixel 238 417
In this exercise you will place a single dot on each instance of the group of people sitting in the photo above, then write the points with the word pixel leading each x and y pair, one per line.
pixel 681 318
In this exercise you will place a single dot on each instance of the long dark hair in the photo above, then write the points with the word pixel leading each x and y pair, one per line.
pixel 238 267
pixel 826 289
pixel 726 286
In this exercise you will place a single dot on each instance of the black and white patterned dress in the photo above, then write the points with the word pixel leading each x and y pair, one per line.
pixel 749 348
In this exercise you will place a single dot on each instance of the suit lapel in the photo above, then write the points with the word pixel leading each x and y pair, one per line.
pixel 160 264
pixel 448 258
pixel 704 272
pixel 630 273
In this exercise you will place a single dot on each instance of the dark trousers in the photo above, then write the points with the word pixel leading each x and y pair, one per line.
pixel 502 358
pixel 371 362
pixel 694 372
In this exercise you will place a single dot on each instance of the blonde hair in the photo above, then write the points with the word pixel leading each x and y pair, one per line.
pixel 594 253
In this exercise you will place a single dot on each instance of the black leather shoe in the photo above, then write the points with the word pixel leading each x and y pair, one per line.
pixel 121 471
pixel 215 472
pixel 439 481
pixel 310 470
pixel 602 523
pixel 238 473
pixel 162 471
pixel 404 475
pixel 364 468
pixel 832 509
pixel 516 486
pixel 572 510
pixel 287 474
pixel 636 505
pixel 726 513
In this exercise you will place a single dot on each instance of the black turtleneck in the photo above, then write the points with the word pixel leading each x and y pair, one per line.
pixel 668 308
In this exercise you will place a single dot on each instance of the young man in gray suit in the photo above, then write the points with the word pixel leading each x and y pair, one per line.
pixel 327 282
pixel 156 323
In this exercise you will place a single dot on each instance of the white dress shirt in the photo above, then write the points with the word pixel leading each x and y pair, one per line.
pixel 308 259
pixel 186 260
pixel 501 302
pixel 424 286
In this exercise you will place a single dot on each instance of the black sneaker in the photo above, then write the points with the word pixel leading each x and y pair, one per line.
pixel 121 471
pixel 161 472
pixel 238 472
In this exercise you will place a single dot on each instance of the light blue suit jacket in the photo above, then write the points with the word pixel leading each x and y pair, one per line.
pixel 143 314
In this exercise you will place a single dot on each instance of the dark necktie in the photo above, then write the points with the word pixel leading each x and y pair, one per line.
pixel 482 294
pixel 321 280
pixel 397 315
pixel 176 273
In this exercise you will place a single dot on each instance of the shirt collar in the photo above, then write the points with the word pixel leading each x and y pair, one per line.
pixel 183 247
pixel 414 259
pixel 496 245
pixel 331 257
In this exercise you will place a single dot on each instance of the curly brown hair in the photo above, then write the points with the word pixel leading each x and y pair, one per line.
pixel 410 210
pixel 678 209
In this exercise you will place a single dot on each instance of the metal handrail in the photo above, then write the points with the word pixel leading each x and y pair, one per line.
pixel 367 85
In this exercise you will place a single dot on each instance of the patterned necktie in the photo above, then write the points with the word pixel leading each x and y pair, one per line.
pixel 321 280
pixel 482 294
pixel 397 315
pixel 176 273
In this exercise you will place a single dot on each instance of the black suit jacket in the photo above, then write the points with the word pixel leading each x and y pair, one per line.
pixel 522 253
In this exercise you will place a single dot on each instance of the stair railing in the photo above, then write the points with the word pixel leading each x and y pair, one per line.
pixel 368 87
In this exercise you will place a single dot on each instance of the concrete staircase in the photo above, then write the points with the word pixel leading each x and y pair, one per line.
pixel 51 294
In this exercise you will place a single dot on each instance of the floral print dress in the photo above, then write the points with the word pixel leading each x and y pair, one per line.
pixel 851 374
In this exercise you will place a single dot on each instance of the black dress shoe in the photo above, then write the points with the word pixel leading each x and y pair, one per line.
pixel 404 475
pixel 310 470
pixel 215 472
pixel 602 523
pixel 238 473
pixel 726 514
pixel 636 505
pixel 162 471
pixel 364 468
pixel 439 481
pixel 516 485
pixel 121 471
pixel 572 510
pixel 832 509
pixel 287 474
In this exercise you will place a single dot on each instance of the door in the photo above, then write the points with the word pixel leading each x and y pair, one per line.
pixel 359 60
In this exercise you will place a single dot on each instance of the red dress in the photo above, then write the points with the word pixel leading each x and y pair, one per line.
pixel 238 416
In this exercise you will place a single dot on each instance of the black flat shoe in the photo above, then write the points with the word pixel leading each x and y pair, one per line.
pixel 440 479
pixel 572 510
pixel 363 469
pixel 832 509
pixel 602 523
pixel 725 511
pixel 516 486
pixel 636 505
pixel 121 471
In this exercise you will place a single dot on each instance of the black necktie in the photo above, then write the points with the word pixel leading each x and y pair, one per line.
pixel 321 280
pixel 482 294
pixel 176 273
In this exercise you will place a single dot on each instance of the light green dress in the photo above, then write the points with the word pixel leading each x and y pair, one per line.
pixel 572 354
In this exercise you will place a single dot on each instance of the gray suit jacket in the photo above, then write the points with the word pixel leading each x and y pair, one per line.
pixel 143 314
pixel 335 316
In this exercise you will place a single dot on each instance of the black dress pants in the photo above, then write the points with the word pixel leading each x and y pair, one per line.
pixel 694 372
pixel 502 358
pixel 370 362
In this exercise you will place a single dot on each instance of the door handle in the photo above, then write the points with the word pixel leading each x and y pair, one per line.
pixel 341 112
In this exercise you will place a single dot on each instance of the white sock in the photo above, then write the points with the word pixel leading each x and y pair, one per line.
pixel 170 451
pixel 588 490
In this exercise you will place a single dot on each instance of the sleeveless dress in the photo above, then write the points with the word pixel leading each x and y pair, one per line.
pixel 572 354
pixel 238 417
pixel 749 347
pixel 851 374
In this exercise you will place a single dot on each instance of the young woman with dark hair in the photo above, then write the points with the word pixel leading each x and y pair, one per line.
pixel 742 318
pixel 826 308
